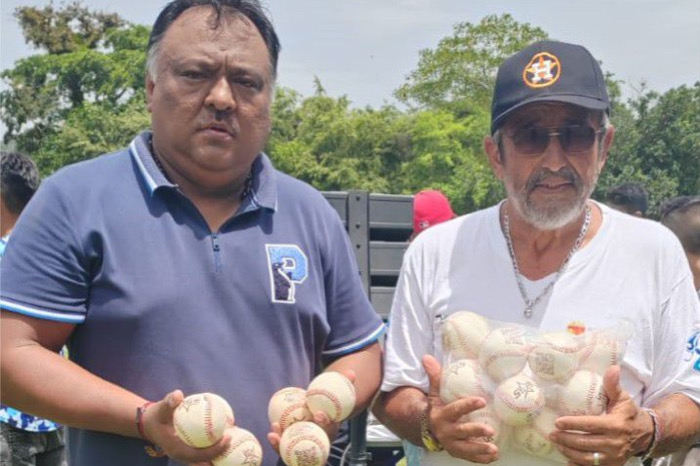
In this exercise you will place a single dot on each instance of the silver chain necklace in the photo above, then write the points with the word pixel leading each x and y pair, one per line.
pixel 531 303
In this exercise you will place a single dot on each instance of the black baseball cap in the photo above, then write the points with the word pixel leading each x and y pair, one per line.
pixel 548 71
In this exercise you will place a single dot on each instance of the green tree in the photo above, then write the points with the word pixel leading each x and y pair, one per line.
pixel 657 144
pixel 323 141
pixel 91 63
pixel 460 73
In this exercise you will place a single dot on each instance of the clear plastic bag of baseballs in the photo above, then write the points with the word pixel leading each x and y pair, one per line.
pixel 529 377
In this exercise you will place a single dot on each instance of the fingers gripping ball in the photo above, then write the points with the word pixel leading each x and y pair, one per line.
pixel 504 352
pixel 555 357
pixel 200 420
pixel 331 393
pixel 463 333
pixel 304 444
pixel 583 394
pixel 518 400
pixel 244 449
pixel 288 406
pixel 462 378
pixel 487 416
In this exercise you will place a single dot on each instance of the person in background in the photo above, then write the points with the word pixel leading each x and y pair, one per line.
pixel 630 198
pixel 550 258
pixel 24 439
pixel 682 216
pixel 430 207
pixel 185 263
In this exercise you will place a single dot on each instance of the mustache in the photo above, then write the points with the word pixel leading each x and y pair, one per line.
pixel 566 174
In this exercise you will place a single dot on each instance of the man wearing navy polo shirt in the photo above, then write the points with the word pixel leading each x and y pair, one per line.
pixel 185 263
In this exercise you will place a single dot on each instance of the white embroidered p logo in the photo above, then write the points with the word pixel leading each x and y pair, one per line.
pixel 288 267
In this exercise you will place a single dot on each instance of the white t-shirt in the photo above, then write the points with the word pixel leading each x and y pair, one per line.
pixel 633 269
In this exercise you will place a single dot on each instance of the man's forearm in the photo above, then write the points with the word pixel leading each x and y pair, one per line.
pixel 679 419
pixel 400 411
pixel 40 382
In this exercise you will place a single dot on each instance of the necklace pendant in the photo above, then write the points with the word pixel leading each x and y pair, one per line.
pixel 528 313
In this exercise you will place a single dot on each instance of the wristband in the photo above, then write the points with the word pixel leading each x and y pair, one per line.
pixel 656 438
pixel 429 441
pixel 153 451
pixel 140 411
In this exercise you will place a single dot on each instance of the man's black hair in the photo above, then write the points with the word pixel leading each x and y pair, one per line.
pixel 631 196
pixel 20 180
pixel 674 215
pixel 251 9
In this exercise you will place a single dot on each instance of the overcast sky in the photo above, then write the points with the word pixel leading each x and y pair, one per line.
pixel 364 49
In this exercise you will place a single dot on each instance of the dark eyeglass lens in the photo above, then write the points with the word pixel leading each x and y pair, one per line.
pixel 578 138
pixel 531 140
pixel 535 139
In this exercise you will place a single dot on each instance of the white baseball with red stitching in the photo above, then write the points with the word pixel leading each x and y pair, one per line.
pixel 555 356
pixel 200 420
pixel 288 406
pixel 244 449
pixel 304 444
pixel 518 400
pixel 331 393
pixel 601 352
pixel 462 378
pixel 463 334
pixel 583 395
pixel 504 352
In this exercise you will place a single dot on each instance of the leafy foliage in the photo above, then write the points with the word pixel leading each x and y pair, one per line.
pixel 82 96
pixel 94 62
pixel 460 73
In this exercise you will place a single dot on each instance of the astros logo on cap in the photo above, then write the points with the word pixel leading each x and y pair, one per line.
pixel 542 71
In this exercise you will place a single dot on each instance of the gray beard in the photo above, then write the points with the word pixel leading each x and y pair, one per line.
pixel 550 216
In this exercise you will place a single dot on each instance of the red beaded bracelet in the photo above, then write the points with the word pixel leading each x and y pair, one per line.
pixel 153 451
pixel 140 411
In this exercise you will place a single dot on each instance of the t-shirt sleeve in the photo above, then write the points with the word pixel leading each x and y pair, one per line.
pixel 354 324
pixel 676 366
pixel 411 329
pixel 44 271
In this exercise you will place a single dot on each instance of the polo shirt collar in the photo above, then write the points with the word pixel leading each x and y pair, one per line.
pixel 263 192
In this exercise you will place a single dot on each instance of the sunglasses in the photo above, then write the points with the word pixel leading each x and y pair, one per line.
pixel 533 140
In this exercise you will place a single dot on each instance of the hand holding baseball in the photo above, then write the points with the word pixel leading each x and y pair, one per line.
pixel 464 440
pixel 607 434
pixel 329 398
pixel 159 429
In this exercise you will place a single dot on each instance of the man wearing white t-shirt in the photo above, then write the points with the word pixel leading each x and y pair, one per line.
pixel 550 258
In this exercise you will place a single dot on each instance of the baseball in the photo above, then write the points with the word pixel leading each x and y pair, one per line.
pixel 600 353
pixel 555 357
pixel 244 449
pixel 583 394
pixel 534 439
pixel 200 420
pixel 504 352
pixel 463 333
pixel 304 444
pixel 331 393
pixel 518 400
pixel 288 406
pixel 487 416
pixel 462 378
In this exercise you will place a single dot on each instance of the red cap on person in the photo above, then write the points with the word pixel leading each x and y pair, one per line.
pixel 430 207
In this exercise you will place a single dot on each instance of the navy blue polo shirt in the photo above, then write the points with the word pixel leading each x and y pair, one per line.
pixel 161 302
